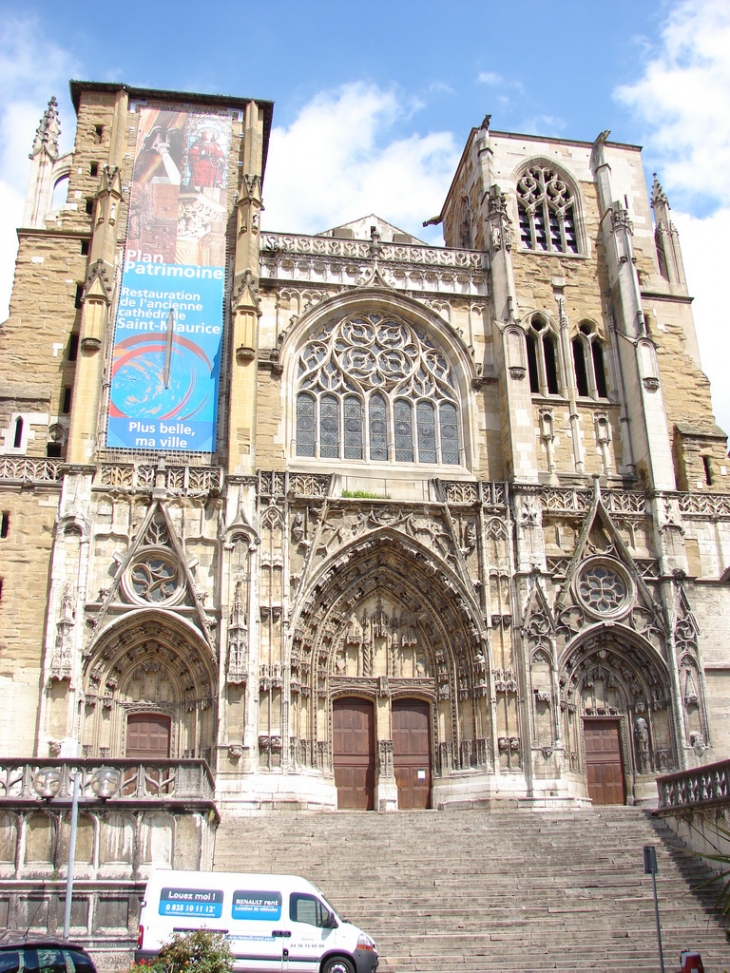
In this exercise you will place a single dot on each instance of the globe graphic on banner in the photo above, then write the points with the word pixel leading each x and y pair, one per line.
pixel 142 389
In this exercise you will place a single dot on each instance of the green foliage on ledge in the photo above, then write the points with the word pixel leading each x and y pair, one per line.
pixel 364 495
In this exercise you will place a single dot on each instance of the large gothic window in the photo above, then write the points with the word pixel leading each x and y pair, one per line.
pixel 374 387
pixel 547 211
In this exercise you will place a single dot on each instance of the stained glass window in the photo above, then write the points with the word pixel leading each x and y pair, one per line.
pixel 375 387
pixel 426 432
pixel 378 428
pixel 353 427
pixel 305 425
pixel 329 427
pixel 403 416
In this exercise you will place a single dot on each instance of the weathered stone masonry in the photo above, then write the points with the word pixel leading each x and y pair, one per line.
pixel 472 497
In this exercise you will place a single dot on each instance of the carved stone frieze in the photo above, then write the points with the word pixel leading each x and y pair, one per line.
pixel 331 262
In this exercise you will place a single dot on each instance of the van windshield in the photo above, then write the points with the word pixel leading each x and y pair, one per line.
pixel 330 907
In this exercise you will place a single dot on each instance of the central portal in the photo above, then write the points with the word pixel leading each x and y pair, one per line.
pixel 353 726
pixel 412 754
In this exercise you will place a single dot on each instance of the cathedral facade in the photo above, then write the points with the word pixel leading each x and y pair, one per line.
pixel 360 521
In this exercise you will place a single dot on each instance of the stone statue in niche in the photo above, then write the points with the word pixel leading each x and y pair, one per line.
pixel 470 538
pixel 641 736
pixel 297 528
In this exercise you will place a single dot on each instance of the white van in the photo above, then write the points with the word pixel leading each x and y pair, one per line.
pixel 272 922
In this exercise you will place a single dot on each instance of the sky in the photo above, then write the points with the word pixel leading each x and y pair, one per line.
pixel 374 101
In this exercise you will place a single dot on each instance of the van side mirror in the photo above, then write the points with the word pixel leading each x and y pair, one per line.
pixel 331 921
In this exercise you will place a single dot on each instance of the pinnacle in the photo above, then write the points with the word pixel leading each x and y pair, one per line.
pixel 48 131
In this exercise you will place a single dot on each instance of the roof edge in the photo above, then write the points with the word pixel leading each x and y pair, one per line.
pixel 559 138
pixel 193 97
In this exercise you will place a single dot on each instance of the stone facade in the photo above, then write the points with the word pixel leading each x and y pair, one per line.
pixel 477 486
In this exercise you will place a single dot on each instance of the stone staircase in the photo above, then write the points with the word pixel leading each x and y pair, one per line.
pixel 494 891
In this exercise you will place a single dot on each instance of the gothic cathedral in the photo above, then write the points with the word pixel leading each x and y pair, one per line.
pixel 350 520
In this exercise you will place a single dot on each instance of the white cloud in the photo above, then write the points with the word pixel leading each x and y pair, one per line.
pixel 338 161
pixel 490 77
pixel 704 248
pixel 542 125
pixel 495 80
pixel 31 70
pixel 683 98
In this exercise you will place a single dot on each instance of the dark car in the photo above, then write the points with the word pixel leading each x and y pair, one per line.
pixel 20 953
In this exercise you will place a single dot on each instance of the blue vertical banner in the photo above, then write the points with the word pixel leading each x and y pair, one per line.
pixel 169 325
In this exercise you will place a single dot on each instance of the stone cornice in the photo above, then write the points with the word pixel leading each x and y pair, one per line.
pixel 404 267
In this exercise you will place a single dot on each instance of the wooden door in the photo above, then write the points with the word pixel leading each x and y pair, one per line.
pixel 412 753
pixel 148 736
pixel 604 766
pixel 353 753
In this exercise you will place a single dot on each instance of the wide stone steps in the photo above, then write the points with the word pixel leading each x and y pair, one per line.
pixel 508 891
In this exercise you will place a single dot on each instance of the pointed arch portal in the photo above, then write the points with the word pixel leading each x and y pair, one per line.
pixel 616 705
pixel 150 689
pixel 387 631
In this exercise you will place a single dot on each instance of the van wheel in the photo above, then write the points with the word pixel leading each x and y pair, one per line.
pixel 338 964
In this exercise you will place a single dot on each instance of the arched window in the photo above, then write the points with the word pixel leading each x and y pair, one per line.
pixel 60 193
pixel 546 210
pixel 329 427
pixel 588 362
pixel 18 437
pixel 375 387
pixel 543 358
pixel 305 425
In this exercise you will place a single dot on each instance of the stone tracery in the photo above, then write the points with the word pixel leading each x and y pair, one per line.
pixel 375 386
pixel 547 210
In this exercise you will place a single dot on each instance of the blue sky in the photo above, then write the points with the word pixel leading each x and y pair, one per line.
pixel 374 100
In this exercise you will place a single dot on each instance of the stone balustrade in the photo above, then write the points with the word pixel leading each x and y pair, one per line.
pixel 179 480
pixel 694 789
pixel 26 469
pixel 132 815
pixel 695 805
pixel 108 780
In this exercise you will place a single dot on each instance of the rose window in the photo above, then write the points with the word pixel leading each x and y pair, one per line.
pixel 604 589
pixel 153 577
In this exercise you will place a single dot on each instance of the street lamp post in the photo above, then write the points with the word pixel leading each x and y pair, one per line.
pixel 71 856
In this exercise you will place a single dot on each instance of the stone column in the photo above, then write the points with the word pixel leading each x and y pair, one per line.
pixel 244 301
pixel 97 298
pixel 517 413
pixel 636 352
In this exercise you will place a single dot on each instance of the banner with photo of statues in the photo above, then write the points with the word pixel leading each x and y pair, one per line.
pixel 169 325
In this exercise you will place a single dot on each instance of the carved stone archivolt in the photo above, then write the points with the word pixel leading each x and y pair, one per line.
pixel 388 618
pixel 612 672
pixel 321 532
pixel 149 661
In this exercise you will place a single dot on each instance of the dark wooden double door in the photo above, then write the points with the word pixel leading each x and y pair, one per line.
pixel 354 753
pixel 604 763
